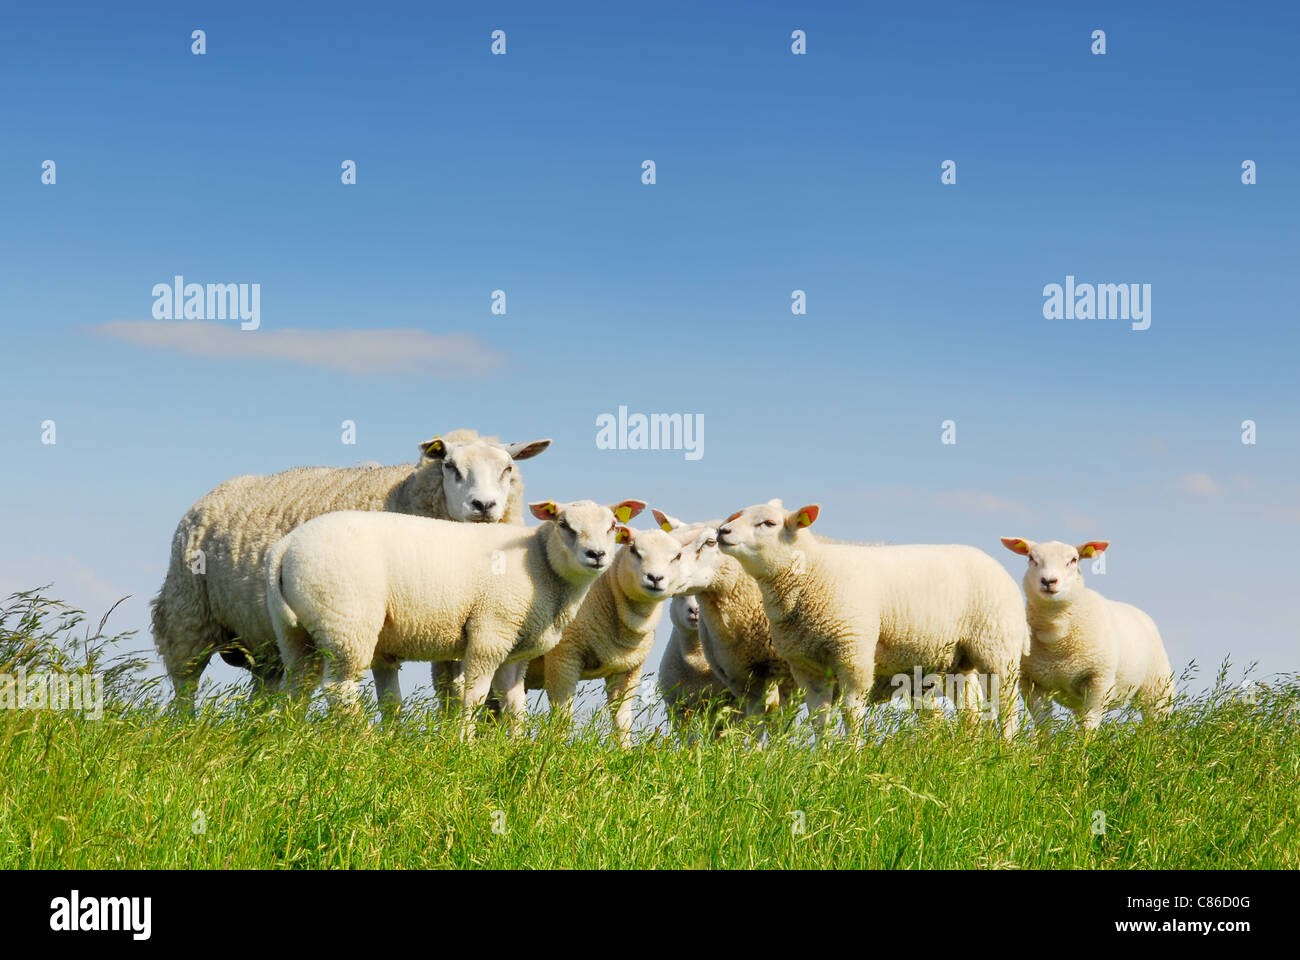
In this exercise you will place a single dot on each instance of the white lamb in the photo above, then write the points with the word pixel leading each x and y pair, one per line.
pixel 686 682
pixel 735 638
pixel 347 587
pixel 213 599
pixel 613 632
pixel 1086 652
pixel 841 614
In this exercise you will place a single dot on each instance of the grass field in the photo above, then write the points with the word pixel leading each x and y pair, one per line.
pixel 1213 786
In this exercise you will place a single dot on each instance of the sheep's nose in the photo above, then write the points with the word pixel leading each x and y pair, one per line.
pixel 1048 581
pixel 723 531
pixel 654 579
pixel 596 555
pixel 482 506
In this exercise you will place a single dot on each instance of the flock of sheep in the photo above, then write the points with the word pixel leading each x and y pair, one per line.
pixel 311 576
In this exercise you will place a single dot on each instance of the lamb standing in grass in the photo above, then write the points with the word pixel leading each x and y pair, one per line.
pixel 213 599
pixel 614 631
pixel 1086 652
pixel 843 613
pixel 350 586
pixel 686 681
pixel 735 637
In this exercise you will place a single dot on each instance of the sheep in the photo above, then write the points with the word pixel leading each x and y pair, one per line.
pixel 614 630
pixel 1086 652
pixel 213 598
pixel 349 586
pixel 843 614
pixel 686 682
pixel 735 637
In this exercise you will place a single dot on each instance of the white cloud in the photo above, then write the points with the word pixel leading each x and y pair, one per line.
pixel 1201 484
pixel 980 502
pixel 352 350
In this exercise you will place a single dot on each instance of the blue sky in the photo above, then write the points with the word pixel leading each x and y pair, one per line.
pixel 774 172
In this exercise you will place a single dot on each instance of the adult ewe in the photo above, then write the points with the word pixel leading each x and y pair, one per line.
pixel 843 613
pixel 213 599
pixel 1086 652
pixel 347 587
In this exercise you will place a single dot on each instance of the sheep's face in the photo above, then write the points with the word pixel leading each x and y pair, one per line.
pixel 653 566
pixel 582 541
pixel 1053 575
pixel 701 558
pixel 763 537
pixel 476 474
pixel 685 613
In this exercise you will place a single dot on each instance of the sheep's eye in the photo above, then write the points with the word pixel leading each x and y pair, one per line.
pixel 611 528
pixel 564 525
pixel 676 558
pixel 505 473
pixel 635 552
pixel 1073 560
pixel 768 523
pixel 1033 562
pixel 710 542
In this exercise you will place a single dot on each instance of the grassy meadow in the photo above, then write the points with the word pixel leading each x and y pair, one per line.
pixel 242 786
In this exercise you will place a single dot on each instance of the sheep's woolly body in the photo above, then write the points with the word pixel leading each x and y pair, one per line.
pixel 686 681
pixel 736 640
pixel 355 585
pixel 841 615
pixel 1092 653
pixel 223 608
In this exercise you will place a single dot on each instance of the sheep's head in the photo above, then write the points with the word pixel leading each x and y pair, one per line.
pixel 476 474
pixel 582 538
pixel 764 537
pixel 652 565
pixel 685 613
pixel 701 556
pixel 1053 575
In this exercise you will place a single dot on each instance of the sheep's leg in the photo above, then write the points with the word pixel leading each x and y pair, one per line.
pixel 185 673
pixel 1095 690
pixel 508 684
pixel 817 693
pixel 343 687
pixel 304 665
pixel 1039 702
pixel 561 679
pixel 853 691
pixel 388 689
pixel 479 670
pixel 449 685
pixel 619 690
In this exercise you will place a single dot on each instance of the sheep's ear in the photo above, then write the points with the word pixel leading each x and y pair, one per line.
pixel 775 502
pixel 1017 545
pixel 803 517
pixel 433 449
pixel 733 516
pixel 525 451
pixel 666 523
pixel 544 509
pixel 628 509
pixel 622 535
pixel 1093 547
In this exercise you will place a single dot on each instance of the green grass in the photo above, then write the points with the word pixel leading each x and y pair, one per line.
pixel 1213 786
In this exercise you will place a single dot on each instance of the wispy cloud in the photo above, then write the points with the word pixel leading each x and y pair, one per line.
pixel 1200 484
pixel 353 350
pixel 979 502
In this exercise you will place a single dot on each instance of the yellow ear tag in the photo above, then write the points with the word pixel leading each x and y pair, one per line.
pixel 666 527
pixel 1087 551
pixel 803 519
pixel 623 512
pixel 623 535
